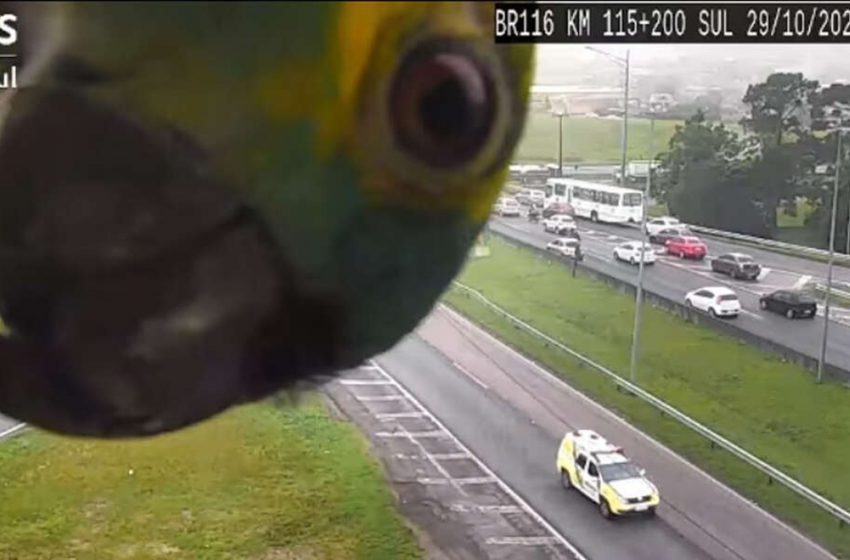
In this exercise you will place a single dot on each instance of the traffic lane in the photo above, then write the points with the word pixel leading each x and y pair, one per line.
pixel 696 506
pixel 672 278
pixel 801 267
pixel 604 239
pixel 523 455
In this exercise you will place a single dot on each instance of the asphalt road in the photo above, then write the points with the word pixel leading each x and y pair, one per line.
pixel 673 278
pixel 512 416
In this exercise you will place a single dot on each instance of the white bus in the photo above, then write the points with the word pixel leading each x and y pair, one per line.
pixel 597 202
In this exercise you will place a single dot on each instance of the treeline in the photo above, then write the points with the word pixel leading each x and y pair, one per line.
pixel 715 177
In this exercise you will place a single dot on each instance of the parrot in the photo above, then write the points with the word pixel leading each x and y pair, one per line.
pixel 204 204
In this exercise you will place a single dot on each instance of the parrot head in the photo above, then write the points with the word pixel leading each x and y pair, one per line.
pixel 204 203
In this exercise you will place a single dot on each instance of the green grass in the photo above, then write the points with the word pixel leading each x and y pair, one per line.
pixel 658 210
pixel 804 210
pixel 589 140
pixel 773 409
pixel 258 483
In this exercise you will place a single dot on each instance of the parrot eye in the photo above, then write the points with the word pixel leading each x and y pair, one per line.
pixel 442 104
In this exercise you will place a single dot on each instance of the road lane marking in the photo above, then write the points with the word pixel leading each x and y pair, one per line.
pixel 801 281
pixel 9 431
pixel 402 433
pixel 470 375
pixel 629 427
pixel 365 382
pixel 752 315
pixel 394 415
pixel 487 470
pixel 464 508
pixel 449 456
pixel 521 541
pixel 431 481
pixel 380 398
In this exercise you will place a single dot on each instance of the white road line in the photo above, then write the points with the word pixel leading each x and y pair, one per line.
pixel 365 382
pixel 9 431
pixel 380 398
pixel 402 433
pixel 464 508
pixel 752 315
pixel 470 375
pixel 461 481
pixel 393 415
pixel 522 541
pixel 501 483
pixel 367 367
pixel 449 456
pixel 570 389
pixel 802 281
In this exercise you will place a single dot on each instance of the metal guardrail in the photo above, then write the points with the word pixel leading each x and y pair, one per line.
pixel 770 243
pixel 800 250
pixel 772 472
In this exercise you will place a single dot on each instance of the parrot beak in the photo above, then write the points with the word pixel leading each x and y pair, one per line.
pixel 141 294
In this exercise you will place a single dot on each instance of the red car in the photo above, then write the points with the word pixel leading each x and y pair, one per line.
pixel 687 247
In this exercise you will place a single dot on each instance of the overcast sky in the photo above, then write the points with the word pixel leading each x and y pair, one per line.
pixel 565 63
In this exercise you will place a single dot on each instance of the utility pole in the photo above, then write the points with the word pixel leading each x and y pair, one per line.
pixel 560 144
pixel 639 295
pixel 625 134
pixel 831 256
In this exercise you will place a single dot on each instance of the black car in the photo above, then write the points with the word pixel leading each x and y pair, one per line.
pixel 789 303
pixel 736 265
pixel 661 237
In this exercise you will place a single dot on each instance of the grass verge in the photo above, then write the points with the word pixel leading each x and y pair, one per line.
pixel 257 483
pixel 589 139
pixel 772 408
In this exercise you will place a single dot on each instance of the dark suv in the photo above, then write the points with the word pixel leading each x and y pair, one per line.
pixel 790 303
pixel 736 265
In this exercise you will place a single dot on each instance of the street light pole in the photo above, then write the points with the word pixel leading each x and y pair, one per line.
pixel 625 134
pixel 831 257
pixel 639 295
pixel 560 144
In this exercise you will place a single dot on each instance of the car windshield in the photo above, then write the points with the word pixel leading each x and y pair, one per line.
pixel 618 471
pixel 691 241
pixel 745 259
pixel 728 297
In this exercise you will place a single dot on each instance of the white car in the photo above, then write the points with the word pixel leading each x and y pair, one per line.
pixel 718 301
pixel 507 207
pixel 630 252
pixel 537 196
pixel 655 225
pixel 566 247
pixel 559 223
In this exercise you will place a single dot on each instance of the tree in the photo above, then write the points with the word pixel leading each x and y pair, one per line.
pixel 705 178
pixel 771 101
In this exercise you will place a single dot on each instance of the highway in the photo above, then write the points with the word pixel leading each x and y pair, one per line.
pixel 512 415
pixel 673 278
